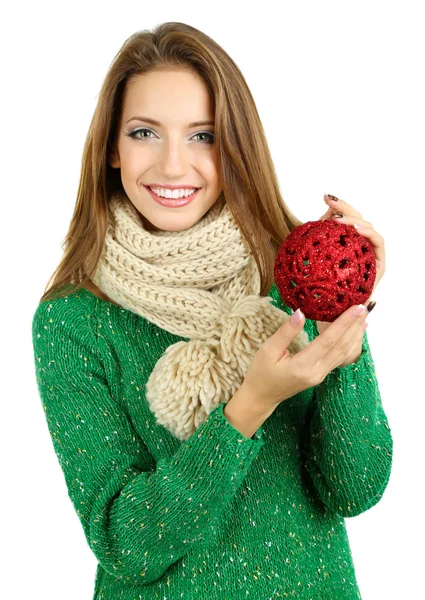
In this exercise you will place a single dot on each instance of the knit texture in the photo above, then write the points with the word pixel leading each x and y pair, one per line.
pixel 219 515
pixel 201 283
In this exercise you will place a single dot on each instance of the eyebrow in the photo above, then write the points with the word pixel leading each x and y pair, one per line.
pixel 158 124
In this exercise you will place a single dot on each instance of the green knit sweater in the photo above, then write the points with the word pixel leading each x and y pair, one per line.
pixel 218 516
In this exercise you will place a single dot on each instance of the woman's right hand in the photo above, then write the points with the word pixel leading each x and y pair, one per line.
pixel 275 375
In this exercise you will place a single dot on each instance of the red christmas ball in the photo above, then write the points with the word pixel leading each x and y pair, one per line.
pixel 324 267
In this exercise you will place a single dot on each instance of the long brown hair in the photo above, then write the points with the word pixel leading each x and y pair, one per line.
pixel 245 166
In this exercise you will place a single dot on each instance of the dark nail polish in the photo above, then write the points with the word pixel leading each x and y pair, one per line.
pixel 371 306
pixel 338 215
pixel 332 197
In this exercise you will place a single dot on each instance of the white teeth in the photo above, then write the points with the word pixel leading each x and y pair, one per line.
pixel 166 193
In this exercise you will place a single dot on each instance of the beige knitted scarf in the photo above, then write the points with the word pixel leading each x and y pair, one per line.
pixel 202 284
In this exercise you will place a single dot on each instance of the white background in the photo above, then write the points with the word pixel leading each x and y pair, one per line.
pixel 339 89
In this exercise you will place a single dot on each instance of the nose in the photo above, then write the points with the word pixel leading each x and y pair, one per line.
pixel 174 158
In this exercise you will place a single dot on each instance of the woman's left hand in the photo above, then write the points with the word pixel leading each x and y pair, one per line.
pixel 353 217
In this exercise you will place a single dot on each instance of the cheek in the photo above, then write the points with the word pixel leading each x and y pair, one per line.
pixel 208 165
pixel 133 159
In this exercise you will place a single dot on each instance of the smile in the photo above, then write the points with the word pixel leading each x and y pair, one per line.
pixel 172 202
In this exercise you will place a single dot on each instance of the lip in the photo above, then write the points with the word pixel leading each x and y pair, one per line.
pixel 173 187
pixel 172 202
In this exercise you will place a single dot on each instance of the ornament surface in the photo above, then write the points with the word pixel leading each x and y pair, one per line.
pixel 324 267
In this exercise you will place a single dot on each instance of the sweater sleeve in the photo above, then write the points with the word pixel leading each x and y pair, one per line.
pixel 138 517
pixel 348 444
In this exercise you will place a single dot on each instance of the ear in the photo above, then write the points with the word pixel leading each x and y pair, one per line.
pixel 114 160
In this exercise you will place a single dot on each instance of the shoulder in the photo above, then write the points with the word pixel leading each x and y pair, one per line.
pixel 59 319
pixel 74 306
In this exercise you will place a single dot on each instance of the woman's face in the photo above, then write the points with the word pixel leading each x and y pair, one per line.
pixel 170 152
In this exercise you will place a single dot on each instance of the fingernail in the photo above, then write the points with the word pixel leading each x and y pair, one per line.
pixel 338 215
pixel 365 325
pixel 297 316
pixel 334 198
pixel 371 306
pixel 358 309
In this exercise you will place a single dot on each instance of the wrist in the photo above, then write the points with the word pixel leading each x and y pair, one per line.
pixel 245 412
pixel 253 403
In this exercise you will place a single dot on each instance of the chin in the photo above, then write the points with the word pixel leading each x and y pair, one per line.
pixel 175 226
pixel 173 222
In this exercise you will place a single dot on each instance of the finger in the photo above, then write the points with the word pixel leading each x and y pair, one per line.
pixel 366 230
pixel 324 352
pixel 344 346
pixel 355 351
pixel 376 240
pixel 343 206
pixel 327 215
pixel 350 220
pixel 359 338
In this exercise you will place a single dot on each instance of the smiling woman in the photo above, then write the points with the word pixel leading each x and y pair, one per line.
pixel 174 110
pixel 188 479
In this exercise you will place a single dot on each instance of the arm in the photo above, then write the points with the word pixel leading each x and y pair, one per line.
pixel 347 443
pixel 138 517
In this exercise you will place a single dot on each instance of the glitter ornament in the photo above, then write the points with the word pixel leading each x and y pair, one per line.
pixel 323 268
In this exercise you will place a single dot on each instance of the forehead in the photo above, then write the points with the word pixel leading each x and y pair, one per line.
pixel 171 97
